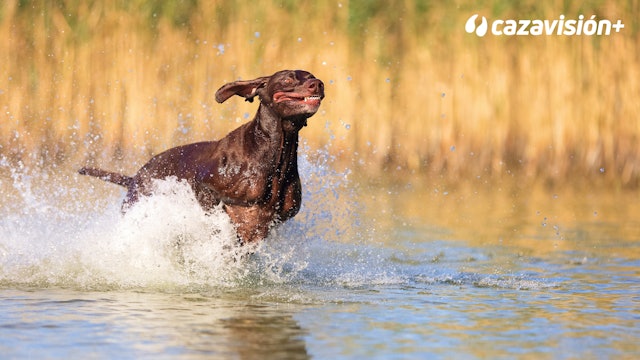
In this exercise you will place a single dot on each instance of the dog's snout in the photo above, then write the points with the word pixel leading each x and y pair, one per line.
pixel 315 85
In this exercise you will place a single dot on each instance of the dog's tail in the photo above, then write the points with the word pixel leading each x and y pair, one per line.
pixel 119 179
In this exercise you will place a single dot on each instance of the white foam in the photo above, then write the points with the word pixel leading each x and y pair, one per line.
pixel 165 239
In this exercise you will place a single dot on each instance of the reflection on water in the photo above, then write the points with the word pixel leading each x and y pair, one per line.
pixel 84 324
pixel 411 270
pixel 533 219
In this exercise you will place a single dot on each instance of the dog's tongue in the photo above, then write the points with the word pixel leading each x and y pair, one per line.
pixel 282 96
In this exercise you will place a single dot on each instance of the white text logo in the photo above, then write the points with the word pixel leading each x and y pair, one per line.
pixel 560 26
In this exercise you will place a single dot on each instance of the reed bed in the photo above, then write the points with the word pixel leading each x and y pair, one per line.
pixel 408 90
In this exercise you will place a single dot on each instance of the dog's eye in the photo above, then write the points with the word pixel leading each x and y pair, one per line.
pixel 290 79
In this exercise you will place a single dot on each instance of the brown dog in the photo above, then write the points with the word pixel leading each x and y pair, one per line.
pixel 253 170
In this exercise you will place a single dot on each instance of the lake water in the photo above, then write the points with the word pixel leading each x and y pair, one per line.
pixel 369 269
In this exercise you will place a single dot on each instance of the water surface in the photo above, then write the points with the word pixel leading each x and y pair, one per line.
pixel 409 269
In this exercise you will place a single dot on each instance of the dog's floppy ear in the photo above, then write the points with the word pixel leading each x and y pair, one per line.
pixel 245 88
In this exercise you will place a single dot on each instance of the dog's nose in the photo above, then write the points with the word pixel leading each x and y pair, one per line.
pixel 315 85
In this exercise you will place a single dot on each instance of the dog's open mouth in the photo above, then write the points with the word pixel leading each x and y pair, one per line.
pixel 282 96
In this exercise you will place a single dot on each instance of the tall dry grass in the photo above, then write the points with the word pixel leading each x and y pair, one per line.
pixel 407 87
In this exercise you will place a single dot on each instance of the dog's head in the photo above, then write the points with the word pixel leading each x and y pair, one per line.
pixel 290 93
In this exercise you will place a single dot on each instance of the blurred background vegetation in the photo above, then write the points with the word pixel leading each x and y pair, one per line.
pixel 408 90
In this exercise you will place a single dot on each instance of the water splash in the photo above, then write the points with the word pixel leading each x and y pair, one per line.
pixel 165 240
pixel 60 229
pixel 52 236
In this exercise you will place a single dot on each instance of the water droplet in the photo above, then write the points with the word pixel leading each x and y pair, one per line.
pixel 256 34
